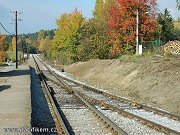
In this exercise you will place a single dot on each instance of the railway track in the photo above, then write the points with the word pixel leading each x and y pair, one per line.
pixel 107 103
pixel 78 117
pixel 72 113
pixel 60 125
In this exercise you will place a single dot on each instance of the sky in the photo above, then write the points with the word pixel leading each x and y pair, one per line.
pixel 42 14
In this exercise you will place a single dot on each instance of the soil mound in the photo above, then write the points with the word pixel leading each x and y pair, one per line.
pixel 151 81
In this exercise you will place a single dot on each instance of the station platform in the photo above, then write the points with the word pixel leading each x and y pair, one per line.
pixel 9 68
pixel 15 101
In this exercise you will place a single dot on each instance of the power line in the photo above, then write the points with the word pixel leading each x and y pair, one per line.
pixel 6 29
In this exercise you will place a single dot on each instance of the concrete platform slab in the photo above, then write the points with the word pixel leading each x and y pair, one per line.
pixel 15 101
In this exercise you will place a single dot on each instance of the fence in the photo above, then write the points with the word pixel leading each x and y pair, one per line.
pixel 152 47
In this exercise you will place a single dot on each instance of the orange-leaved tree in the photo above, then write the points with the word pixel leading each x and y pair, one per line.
pixel 122 22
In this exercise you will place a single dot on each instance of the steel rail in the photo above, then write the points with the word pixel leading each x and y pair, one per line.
pixel 61 128
pixel 102 116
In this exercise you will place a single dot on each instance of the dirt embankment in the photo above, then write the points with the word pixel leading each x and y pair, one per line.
pixel 150 81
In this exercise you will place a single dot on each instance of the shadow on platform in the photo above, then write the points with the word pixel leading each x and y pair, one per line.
pixel 4 87
pixel 15 73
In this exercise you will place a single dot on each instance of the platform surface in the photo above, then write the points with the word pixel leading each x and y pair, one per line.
pixel 9 68
pixel 15 101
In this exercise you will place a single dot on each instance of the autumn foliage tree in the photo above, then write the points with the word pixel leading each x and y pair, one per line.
pixel 65 41
pixel 44 45
pixel 2 48
pixel 122 22
pixel 13 44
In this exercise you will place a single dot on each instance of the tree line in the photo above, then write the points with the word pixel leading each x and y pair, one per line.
pixel 111 31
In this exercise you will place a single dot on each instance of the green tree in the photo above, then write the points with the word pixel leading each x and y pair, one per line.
pixel 50 34
pixel 94 37
pixel 178 4
pixel 166 21
pixel 94 41
pixel 8 42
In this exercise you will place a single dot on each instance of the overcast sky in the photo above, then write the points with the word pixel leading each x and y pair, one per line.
pixel 42 14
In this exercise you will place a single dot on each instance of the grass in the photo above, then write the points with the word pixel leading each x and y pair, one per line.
pixel 12 55
pixel 136 58
pixel 177 25
pixel 147 58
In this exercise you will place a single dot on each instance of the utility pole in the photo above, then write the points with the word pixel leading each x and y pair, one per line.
pixel 137 32
pixel 16 29
pixel 16 41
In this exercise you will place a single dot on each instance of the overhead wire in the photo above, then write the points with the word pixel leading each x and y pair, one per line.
pixel 6 29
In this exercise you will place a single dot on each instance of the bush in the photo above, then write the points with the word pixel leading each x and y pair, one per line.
pixel 129 49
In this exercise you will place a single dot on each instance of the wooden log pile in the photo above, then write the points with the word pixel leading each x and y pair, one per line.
pixel 172 47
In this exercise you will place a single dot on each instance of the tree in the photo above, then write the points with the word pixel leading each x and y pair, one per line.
pixel 166 20
pixel 50 34
pixel 41 35
pixel 122 22
pixel 94 39
pixel 178 4
pixel 2 48
pixel 47 50
pixel 13 44
pixel 44 45
pixel 99 9
pixel 94 42
pixel 66 36
pixel 8 42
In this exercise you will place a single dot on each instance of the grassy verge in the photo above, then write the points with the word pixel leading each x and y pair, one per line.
pixel 147 58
